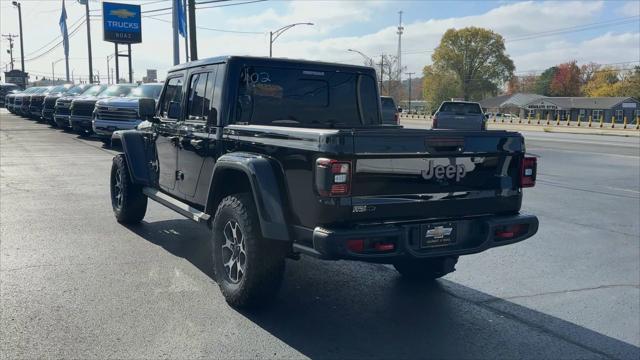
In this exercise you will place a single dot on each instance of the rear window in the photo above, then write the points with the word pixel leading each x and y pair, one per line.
pixel 460 108
pixel 388 102
pixel 298 97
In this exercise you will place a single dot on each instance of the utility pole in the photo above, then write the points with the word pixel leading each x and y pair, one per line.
pixel 10 37
pixel 400 31
pixel 381 73
pixel 86 5
pixel 410 73
pixel 192 30
pixel 186 35
pixel 174 23
pixel 17 4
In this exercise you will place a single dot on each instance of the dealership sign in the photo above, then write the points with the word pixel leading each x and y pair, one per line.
pixel 121 23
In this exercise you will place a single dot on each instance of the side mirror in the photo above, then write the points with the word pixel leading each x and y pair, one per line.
pixel 174 110
pixel 146 108
pixel 212 118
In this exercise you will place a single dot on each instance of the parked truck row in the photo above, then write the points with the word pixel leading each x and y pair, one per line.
pixel 85 109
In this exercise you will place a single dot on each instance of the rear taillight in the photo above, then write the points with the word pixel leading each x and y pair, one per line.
pixel 434 124
pixel 510 231
pixel 333 177
pixel 396 118
pixel 528 172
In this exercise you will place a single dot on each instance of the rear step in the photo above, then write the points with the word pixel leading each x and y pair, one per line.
pixel 176 205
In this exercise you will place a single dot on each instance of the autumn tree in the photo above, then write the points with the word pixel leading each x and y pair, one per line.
pixel 439 86
pixel 566 80
pixel 543 83
pixel 477 59
pixel 587 71
pixel 522 84
pixel 604 82
pixel 630 84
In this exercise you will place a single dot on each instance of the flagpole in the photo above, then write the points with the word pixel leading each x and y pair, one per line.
pixel 65 38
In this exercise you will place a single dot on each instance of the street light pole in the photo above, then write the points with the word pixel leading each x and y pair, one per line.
pixel 409 73
pixel 274 35
pixel 17 4
pixel 369 61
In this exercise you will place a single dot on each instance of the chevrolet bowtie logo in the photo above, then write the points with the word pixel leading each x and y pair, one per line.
pixel 122 13
pixel 439 232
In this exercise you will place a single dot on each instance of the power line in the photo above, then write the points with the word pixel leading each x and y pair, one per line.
pixel 57 38
pixel 212 29
pixel 71 33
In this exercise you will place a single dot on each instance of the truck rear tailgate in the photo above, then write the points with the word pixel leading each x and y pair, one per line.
pixel 420 174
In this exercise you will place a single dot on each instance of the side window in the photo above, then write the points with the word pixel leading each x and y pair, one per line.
pixel 172 93
pixel 214 88
pixel 196 103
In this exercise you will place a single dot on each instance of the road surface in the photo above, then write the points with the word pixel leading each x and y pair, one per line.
pixel 76 284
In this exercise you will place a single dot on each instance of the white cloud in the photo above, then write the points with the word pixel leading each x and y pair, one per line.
pixel 319 42
pixel 630 8
pixel 326 15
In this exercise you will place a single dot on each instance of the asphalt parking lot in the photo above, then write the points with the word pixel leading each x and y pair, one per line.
pixel 76 284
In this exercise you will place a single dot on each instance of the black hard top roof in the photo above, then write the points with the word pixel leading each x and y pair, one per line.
pixel 229 58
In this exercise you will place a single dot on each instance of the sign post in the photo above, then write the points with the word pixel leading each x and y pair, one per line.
pixel 122 24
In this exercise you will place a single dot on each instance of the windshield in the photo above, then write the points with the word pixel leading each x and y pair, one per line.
pixel 116 90
pixel 94 90
pixel 59 88
pixel 76 90
pixel 460 108
pixel 296 97
pixel 146 91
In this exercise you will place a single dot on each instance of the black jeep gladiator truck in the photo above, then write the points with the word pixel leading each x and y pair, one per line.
pixel 287 157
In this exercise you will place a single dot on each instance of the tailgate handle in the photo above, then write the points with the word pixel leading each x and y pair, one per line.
pixel 445 144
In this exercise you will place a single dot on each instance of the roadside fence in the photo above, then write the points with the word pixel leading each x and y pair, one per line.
pixel 589 122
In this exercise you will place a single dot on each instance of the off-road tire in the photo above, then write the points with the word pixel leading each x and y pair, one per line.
pixel 264 259
pixel 131 207
pixel 426 269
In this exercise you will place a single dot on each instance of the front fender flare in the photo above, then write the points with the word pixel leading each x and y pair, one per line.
pixel 139 156
pixel 261 173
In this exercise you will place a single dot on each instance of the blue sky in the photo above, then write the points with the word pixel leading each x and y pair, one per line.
pixel 368 26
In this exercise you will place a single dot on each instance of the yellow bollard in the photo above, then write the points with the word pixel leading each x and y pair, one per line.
pixel 538 117
pixel 548 119
pixel 578 120
pixel 624 124
pixel 637 122
pixel 613 122
pixel 601 120
pixel 557 119
pixel 569 119
pixel 590 120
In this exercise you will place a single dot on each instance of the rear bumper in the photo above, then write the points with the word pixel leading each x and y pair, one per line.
pixel 472 236
pixel 104 128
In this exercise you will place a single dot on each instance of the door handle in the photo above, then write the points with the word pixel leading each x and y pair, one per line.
pixel 196 143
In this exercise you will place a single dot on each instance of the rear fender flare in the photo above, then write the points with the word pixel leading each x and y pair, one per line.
pixel 260 172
